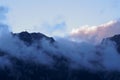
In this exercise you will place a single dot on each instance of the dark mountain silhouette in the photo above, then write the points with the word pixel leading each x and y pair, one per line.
pixel 29 38
pixel 28 70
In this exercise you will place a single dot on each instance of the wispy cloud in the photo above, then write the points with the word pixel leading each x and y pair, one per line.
pixel 55 29
pixel 3 11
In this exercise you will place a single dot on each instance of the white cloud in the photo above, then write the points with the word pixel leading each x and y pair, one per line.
pixel 96 33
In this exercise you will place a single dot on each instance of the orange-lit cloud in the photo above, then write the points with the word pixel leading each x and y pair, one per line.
pixel 96 33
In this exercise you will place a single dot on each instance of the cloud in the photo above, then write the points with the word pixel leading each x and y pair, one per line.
pixel 78 54
pixel 53 28
pixel 3 11
pixel 96 33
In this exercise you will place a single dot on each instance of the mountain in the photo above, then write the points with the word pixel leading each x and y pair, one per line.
pixel 29 38
pixel 14 67
pixel 115 39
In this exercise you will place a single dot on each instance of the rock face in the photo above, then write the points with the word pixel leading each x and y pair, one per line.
pixel 28 70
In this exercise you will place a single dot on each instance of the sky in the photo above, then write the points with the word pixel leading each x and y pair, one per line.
pixel 58 17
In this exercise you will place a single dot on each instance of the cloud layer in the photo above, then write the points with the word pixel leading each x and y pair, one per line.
pixel 96 33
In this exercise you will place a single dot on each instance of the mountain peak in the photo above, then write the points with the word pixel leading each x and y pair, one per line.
pixel 29 38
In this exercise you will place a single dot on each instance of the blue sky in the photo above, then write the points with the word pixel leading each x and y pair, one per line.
pixel 54 16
